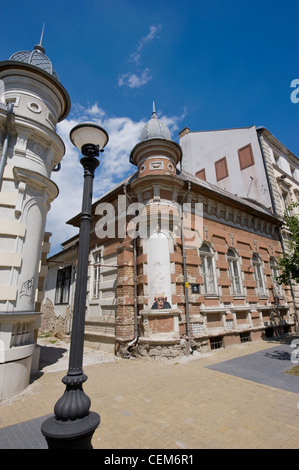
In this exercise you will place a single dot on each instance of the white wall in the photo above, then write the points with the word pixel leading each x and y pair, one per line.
pixel 203 149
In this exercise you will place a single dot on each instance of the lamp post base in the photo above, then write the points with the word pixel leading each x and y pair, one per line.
pixel 70 434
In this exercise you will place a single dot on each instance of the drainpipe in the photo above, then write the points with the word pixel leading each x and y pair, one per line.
pixel 259 132
pixel 189 350
pixel 6 141
pixel 134 341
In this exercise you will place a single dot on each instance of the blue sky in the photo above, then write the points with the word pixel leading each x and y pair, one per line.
pixel 207 64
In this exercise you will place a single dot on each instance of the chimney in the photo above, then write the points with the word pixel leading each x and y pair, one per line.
pixel 185 131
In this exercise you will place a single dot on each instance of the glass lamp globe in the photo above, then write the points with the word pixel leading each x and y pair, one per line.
pixel 89 133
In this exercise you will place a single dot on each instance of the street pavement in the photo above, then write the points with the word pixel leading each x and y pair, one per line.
pixel 234 398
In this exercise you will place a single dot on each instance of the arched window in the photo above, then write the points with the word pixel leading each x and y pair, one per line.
pixel 277 289
pixel 208 269
pixel 234 272
pixel 258 274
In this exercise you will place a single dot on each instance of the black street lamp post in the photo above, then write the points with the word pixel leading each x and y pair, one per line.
pixel 72 425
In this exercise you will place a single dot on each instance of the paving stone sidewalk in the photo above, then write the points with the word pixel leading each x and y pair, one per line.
pixel 223 400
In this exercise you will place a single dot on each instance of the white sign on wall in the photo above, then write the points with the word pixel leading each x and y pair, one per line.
pixel 159 278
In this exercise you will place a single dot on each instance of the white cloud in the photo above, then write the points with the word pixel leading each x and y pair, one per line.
pixel 153 33
pixel 94 110
pixel 141 77
pixel 69 181
pixel 172 122
pixel 135 57
pixel 114 167
pixel 124 134
pixel 132 80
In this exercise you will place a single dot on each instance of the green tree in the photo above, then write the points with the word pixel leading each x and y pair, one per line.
pixel 289 263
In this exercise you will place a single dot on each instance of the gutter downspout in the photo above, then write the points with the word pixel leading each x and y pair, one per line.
pixel 6 141
pixel 259 132
pixel 189 350
pixel 134 341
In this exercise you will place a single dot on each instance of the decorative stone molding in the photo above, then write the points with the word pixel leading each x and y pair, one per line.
pixel 36 181
pixel 23 133
pixel 232 216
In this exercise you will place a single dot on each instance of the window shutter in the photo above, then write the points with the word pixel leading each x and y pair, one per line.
pixel 246 156
pixel 201 174
pixel 221 169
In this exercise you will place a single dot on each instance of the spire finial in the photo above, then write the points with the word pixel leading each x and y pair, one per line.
pixel 39 46
pixel 154 114
pixel 42 36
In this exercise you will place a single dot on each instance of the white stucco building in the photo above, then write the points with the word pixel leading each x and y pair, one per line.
pixel 32 101
pixel 249 162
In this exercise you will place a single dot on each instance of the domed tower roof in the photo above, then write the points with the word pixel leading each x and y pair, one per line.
pixel 155 129
pixel 36 57
pixel 156 153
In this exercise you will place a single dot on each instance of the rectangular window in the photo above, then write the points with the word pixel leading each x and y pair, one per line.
pixel 63 284
pixel 208 274
pixel 201 174
pixel 276 159
pixel 96 275
pixel 293 171
pixel 216 342
pixel 221 169
pixel 259 276
pixel 259 280
pixel 277 289
pixel 245 337
pixel 286 200
pixel 234 276
pixel 246 156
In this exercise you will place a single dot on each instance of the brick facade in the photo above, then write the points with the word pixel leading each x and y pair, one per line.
pixel 194 279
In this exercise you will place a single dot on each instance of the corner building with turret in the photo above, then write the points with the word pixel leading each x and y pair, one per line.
pixel 176 264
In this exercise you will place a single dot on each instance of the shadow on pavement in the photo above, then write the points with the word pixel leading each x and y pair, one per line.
pixel 49 355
